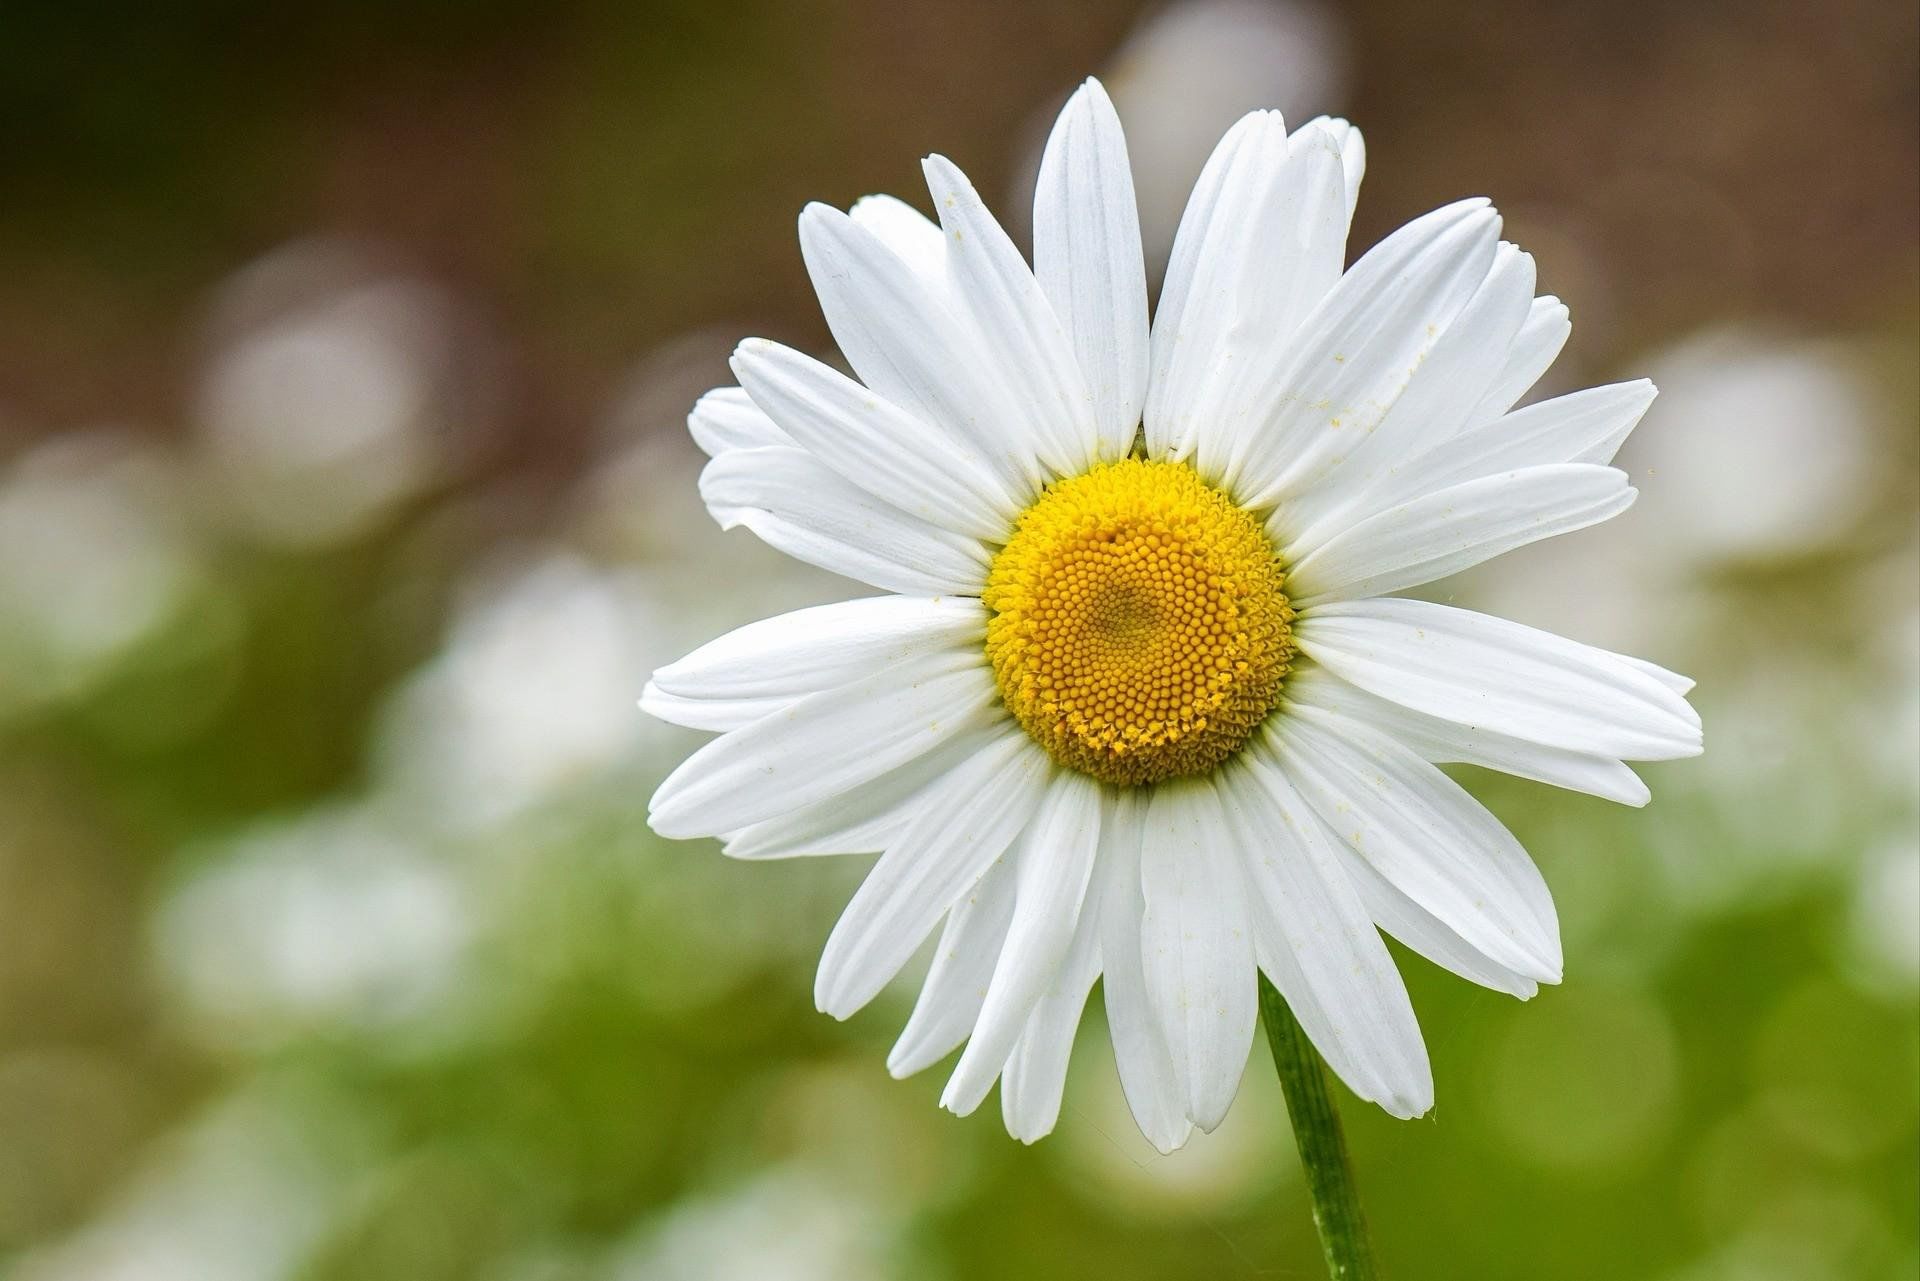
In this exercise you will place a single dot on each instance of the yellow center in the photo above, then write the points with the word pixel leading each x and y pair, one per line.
pixel 1138 629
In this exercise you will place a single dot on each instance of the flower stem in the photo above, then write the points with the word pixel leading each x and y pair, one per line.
pixel 1323 1146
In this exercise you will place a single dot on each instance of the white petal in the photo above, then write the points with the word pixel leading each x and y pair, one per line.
pixel 1358 349
pixel 1499 675
pixel 825 744
pixel 874 443
pixel 907 343
pixel 720 714
pixel 1199 290
pixel 1455 529
pixel 1424 834
pixel 1315 939
pixel 726 418
pixel 1267 224
pixel 808 650
pixel 1035 1078
pixel 1196 947
pixel 1432 408
pixel 1055 862
pixel 1030 353
pixel 1426 934
pixel 1148 1074
pixel 1353 153
pixel 935 860
pixel 1674 681
pixel 1442 741
pixel 1294 252
pixel 1581 427
pixel 1464 363
pixel 864 819
pixel 1533 352
pixel 913 237
pixel 956 984
pixel 797 504
pixel 1088 260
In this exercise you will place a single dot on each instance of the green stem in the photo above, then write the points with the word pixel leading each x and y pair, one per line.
pixel 1323 1147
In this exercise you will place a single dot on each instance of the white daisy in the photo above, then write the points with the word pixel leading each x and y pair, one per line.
pixel 1138 707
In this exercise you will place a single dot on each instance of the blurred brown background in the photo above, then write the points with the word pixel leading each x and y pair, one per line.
pixel 345 504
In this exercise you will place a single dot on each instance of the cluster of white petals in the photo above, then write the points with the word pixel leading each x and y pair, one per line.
pixel 1366 416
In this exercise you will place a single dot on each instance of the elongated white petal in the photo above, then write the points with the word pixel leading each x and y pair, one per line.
pixel 1268 227
pixel 912 236
pixel 933 862
pixel 1427 934
pixel 807 650
pixel 1443 741
pixel 1088 260
pixel 726 418
pixel 1293 251
pixel 1148 1074
pixel 1206 271
pixel 1030 353
pixel 1353 153
pixel 1055 862
pixel 1433 406
pixel 1455 529
pixel 1315 939
pixel 1532 353
pixel 956 984
pixel 866 818
pixel 1035 1078
pixel 1581 427
pixel 825 744
pixel 1469 356
pixel 717 714
pixel 1499 675
pixel 875 444
pixel 908 343
pixel 1195 946
pixel 1358 350
pixel 1681 685
pixel 798 505
pixel 1424 834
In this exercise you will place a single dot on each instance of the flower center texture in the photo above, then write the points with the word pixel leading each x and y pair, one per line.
pixel 1138 627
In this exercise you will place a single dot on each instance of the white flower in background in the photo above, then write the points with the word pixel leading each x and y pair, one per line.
pixel 525 701
pixel 334 918
pixel 95 560
pixel 1138 704
pixel 333 402
pixel 788 1225
pixel 1763 448
pixel 247 1191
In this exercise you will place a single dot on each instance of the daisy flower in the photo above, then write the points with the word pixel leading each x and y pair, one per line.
pixel 1136 703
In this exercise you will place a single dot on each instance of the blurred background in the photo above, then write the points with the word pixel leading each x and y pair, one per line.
pixel 346 501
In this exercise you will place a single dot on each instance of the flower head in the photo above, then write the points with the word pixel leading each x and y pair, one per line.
pixel 1138 705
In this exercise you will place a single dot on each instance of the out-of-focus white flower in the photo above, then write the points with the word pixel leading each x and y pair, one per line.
pixel 1883 935
pixel 1192 69
pixel 95 558
pixel 533 693
pixel 1758 448
pixel 1889 724
pixel 244 1193
pixel 788 1225
pixel 330 919
pixel 333 397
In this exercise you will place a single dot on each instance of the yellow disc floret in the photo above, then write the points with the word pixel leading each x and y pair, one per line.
pixel 1138 626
